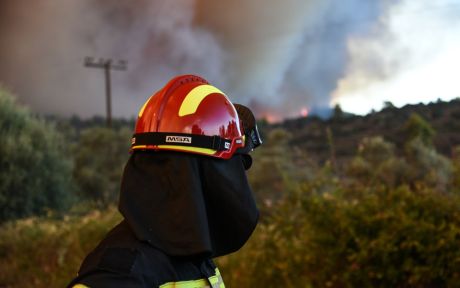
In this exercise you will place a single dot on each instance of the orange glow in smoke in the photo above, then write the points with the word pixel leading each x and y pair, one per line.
pixel 272 117
pixel 304 112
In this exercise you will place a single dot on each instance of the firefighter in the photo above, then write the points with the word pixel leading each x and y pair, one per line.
pixel 184 196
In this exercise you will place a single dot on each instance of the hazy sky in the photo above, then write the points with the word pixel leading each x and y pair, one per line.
pixel 278 57
pixel 417 56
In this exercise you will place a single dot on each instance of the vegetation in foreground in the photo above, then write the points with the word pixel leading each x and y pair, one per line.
pixel 388 217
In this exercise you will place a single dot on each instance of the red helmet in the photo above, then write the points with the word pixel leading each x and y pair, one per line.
pixel 189 115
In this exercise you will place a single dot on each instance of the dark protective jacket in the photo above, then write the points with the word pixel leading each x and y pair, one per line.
pixel 180 211
pixel 121 260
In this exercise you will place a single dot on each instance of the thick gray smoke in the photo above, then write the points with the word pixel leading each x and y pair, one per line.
pixel 276 56
pixel 285 55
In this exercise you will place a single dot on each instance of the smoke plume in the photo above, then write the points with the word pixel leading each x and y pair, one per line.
pixel 275 56
pixel 412 57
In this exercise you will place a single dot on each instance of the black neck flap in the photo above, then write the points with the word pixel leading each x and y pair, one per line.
pixel 187 204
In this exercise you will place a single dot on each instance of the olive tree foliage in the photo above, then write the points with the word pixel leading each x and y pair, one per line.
pixel 429 168
pixel 377 163
pixel 390 221
pixel 99 158
pixel 456 168
pixel 419 164
pixel 35 170
pixel 416 128
pixel 279 164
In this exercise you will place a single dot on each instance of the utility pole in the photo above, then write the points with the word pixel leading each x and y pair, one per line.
pixel 107 65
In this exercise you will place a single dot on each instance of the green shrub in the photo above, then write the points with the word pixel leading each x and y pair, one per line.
pixel 100 155
pixel 377 164
pixel 42 252
pixel 275 166
pixel 428 167
pixel 375 237
pixel 377 225
pixel 456 169
pixel 35 168
pixel 418 128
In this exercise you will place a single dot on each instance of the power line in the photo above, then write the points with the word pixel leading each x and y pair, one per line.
pixel 107 65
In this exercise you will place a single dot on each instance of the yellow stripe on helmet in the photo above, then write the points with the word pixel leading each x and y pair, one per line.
pixel 139 147
pixel 143 107
pixel 194 98
pixel 205 151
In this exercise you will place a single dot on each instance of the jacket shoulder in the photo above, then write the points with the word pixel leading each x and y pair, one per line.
pixel 120 260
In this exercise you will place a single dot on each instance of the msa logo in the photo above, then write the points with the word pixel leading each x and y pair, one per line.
pixel 227 145
pixel 178 139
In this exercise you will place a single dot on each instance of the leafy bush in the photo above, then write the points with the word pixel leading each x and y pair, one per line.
pixel 371 237
pixel 100 155
pixel 456 169
pixel 275 164
pixel 42 252
pixel 35 170
pixel 417 128
pixel 383 223
pixel 376 163
pixel 428 167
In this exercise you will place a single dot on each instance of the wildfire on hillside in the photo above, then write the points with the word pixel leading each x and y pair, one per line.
pixel 304 112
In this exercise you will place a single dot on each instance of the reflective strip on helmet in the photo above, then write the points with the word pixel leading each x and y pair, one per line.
pixel 143 107
pixel 139 147
pixel 205 151
pixel 194 98
pixel 80 286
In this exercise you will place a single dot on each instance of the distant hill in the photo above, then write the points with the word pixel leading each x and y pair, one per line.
pixel 315 135
pixel 344 131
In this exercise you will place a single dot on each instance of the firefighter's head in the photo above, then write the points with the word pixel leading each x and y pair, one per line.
pixel 190 115
pixel 197 201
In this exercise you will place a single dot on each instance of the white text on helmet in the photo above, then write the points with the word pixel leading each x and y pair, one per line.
pixel 178 139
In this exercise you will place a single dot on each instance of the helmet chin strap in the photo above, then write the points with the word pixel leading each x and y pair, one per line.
pixel 181 139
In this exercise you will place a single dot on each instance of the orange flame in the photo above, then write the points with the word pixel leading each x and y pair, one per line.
pixel 304 112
